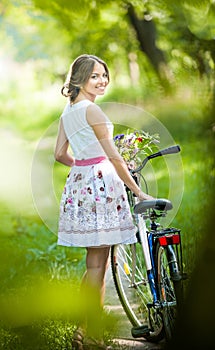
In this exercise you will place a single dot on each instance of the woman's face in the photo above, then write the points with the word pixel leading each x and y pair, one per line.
pixel 96 85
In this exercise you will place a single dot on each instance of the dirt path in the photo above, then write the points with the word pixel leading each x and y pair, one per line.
pixel 122 335
pixel 131 344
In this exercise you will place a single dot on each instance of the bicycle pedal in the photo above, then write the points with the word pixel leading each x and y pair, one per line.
pixel 176 277
pixel 140 331
pixel 149 306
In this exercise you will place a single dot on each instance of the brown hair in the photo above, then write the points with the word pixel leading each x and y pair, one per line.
pixel 79 73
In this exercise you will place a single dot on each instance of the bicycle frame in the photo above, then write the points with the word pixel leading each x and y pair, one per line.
pixel 147 244
pixel 146 238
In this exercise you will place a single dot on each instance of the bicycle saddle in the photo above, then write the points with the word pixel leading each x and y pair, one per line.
pixel 158 204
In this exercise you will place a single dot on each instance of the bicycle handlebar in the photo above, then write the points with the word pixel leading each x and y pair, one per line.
pixel 168 150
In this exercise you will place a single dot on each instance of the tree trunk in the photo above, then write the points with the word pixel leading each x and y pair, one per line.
pixel 146 34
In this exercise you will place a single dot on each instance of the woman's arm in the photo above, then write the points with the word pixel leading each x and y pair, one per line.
pixel 97 120
pixel 61 153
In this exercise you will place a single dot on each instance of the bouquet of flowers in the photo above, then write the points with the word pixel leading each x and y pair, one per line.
pixel 134 146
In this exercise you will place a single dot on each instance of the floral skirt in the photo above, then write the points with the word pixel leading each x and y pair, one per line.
pixel 94 209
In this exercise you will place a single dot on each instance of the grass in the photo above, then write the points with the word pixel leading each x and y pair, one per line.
pixel 50 334
pixel 36 254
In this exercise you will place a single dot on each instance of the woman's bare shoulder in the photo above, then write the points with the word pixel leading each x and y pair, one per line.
pixel 95 114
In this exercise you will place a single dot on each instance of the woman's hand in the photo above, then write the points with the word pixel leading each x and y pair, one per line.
pixel 143 196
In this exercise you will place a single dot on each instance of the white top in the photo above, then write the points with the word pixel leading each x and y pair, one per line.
pixel 80 134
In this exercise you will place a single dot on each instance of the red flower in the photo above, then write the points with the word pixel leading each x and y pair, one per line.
pixel 139 139
pixel 89 190
pixel 99 174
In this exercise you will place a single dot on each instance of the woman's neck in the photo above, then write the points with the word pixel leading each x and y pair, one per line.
pixel 84 96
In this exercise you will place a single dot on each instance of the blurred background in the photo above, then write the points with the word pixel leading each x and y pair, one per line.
pixel 161 57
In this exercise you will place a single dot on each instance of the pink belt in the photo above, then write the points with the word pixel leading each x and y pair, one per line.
pixel 89 161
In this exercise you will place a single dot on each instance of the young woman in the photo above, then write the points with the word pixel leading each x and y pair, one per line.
pixel 94 211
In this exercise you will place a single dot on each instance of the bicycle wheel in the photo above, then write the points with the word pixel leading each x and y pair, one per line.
pixel 130 278
pixel 169 286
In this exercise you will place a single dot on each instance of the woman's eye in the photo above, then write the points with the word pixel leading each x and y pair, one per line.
pixel 96 76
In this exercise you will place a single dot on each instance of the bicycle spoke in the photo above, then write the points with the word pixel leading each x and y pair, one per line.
pixel 133 288
pixel 167 289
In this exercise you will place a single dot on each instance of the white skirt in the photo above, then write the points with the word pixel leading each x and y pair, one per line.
pixel 94 209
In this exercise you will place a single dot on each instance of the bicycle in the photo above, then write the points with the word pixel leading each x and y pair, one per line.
pixel 148 275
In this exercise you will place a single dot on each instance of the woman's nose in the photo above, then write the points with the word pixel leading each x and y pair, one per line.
pixel 103 80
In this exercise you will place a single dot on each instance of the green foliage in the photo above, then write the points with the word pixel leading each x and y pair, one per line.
pixel 179 34
pixel 50 334
pixel 36 257
pixel 200 19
